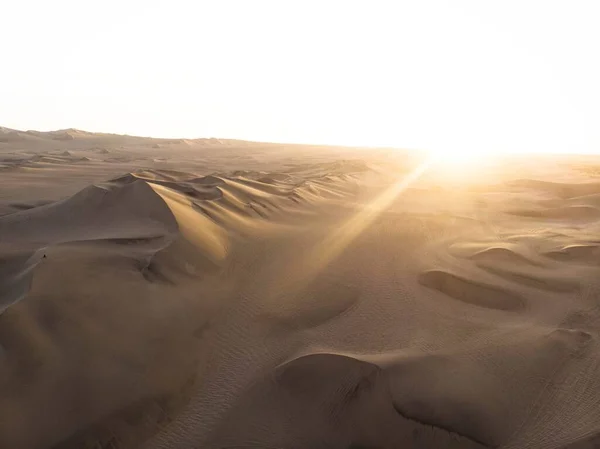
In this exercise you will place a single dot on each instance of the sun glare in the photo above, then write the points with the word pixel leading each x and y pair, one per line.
pixel 458 159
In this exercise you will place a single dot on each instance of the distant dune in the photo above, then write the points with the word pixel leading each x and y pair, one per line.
pixel 8 135
pixel 213 293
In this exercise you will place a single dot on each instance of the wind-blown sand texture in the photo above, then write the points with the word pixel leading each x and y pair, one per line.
pixel 224 294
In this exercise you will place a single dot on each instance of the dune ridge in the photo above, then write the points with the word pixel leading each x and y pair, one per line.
pixel 150 205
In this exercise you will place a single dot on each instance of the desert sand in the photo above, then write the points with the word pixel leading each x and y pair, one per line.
pixel 210 293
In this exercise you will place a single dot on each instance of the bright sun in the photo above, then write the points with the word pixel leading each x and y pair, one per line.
pixel 458 163
pixel 458 158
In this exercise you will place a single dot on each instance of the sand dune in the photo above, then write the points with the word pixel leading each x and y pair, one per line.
pixel 184 293
pixel 473 292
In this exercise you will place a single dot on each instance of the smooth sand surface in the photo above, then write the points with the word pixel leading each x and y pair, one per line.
pixel 224 294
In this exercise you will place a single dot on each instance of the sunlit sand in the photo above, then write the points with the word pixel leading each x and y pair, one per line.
pixel 219 294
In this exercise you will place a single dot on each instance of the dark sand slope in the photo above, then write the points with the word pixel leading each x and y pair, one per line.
pixel 219 294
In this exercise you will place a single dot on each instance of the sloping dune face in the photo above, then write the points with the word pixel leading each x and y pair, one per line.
pixel 224 296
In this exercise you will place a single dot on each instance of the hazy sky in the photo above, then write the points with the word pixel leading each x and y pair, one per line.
pixel 477 75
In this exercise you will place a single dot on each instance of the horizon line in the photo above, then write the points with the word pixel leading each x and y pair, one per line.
pixel 334 145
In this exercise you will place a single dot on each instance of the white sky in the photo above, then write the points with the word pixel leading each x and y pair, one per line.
pixel 449 75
